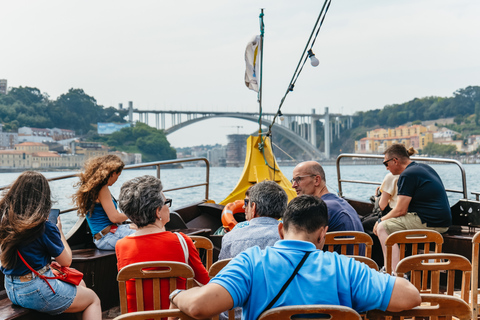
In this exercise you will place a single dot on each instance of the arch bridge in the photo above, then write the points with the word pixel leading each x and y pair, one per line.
pixel 299 128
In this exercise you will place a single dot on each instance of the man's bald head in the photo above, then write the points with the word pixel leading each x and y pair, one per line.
pixel 309 178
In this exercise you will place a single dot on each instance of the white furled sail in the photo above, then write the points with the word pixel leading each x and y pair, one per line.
pixel 252 61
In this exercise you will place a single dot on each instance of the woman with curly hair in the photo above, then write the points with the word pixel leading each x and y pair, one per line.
pixel 95 202
pixel 25 231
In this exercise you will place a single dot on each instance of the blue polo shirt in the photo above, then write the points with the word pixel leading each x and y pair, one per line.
pixel 254 278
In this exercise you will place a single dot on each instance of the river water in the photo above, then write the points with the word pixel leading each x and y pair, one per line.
pixel 223 180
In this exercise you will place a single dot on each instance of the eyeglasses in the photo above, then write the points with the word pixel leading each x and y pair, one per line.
pixel 245 202
pixel 299 178
pixel 385 163
pixel 168 202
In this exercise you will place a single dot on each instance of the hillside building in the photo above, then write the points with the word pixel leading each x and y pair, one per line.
pixel 3 86
pixel 8 140
pixel 378 140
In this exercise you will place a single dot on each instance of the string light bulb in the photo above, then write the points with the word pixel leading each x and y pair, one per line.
pixel 280 114
pixel 313 60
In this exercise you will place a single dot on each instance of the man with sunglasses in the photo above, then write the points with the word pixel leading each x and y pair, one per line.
pixel 422 200
pixel 309 178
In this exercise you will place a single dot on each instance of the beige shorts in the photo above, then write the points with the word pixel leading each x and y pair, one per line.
pixel 409 221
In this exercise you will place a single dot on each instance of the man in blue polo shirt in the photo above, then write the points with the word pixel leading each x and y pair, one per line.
pixel 422 200
pixel 254 277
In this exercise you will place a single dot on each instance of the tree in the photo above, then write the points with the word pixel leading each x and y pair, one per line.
pixel 440 149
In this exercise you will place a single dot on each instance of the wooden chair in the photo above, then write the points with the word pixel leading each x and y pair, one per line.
pixel 346 238
pixel 475 270
pixel 429 266
pixel 204 243
pixel 433 306
pixel 217 266
pixel 413 237
pixel 335 312
pixel 154 270
pixel 212 272
pixel 368 261
pixel 155 314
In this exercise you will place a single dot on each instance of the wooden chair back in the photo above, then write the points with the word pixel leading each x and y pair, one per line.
pixel 217 266
pixel 154 270
pixel 432 307
pixel 352 238
pixel 205 244
pixel 212 272
pixel 429 266
pixel 286 313
pixel 154 314
pixel 475 270
pixel 415 238
pixel 368 261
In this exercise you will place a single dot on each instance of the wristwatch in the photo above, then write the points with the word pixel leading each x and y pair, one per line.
pixel 174 294
pixel 379 220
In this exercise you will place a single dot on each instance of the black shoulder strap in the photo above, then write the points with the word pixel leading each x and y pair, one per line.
pixel 270 305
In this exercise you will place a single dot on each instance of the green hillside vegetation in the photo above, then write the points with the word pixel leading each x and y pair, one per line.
pixel 464 102
pixel 464 106
pixel 75 110
pixel 150 142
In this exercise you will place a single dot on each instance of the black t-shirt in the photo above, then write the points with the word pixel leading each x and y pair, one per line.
pixel 429 198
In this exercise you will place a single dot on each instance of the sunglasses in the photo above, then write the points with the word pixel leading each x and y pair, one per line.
pixel 385 163
pixel 168 202
pixel 245 202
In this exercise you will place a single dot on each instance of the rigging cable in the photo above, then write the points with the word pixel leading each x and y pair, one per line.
pixel 303 60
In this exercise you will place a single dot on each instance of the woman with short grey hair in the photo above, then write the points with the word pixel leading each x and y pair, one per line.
pixel 143 201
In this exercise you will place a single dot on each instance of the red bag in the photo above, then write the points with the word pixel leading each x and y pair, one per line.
pixel 66 274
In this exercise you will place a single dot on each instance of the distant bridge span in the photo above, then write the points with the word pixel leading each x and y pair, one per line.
pixel 296 127
pixel 302 143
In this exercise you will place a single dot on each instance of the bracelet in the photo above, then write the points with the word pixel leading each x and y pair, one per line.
pixel 174 294
pixel 379 220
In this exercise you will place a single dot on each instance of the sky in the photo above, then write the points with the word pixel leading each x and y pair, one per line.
pixel 189 54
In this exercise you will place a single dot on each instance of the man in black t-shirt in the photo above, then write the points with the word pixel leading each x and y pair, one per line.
pixel 422 200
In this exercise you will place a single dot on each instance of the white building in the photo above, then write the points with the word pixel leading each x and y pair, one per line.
pixel 444 134
pixel 217 156
pixel 8 140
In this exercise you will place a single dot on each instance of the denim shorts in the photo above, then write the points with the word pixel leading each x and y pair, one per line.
pixel 37 295
pixel 108 241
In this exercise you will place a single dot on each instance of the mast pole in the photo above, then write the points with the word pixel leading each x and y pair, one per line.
pixel 262 31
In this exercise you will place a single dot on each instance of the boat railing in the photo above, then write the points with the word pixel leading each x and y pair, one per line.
pixel 476 194
pixel 381 157
pixel 157 165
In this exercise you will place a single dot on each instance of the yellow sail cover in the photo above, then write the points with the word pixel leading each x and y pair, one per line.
pixel 256 170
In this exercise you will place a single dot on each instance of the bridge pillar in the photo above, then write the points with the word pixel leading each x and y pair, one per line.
pixel 327 134
pixel 163 121
pixel 157 121
pixel 313 131
pixel 130 111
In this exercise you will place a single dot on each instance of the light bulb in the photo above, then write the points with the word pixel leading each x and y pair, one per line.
pixel 282 118
pixel 313 60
